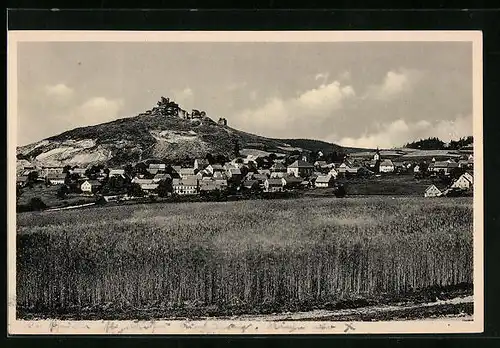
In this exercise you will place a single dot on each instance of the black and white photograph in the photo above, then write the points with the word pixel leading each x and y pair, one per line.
pixel 245 182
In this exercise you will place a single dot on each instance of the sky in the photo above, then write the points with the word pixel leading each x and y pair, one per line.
pixel 361 94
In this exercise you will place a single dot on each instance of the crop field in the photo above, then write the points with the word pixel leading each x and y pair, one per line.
pixel 247 257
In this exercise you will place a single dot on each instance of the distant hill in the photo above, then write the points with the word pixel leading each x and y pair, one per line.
pixel 155 134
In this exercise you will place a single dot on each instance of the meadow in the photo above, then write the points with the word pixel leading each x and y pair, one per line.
pixel 221 258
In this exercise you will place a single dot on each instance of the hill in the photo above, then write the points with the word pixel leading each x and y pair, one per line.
pixel 159 133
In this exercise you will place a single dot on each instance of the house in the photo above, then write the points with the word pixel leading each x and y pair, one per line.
pixel 266 172
pixel 386 166
pixel 291 182
pixel 117 172
pixel 432 191
pixel 273 185
pixel 469 177
pixel 278 167
pixel 176 171
pixel 251 185
pixel 213 168
pixel 186 172
pixel 221 183
pixel 277 175
pixel 155 168
pixel 300 168
pixel 200 163
pixel 56 179
pixel 229 165
pixel 333 172
pixel 324 181
pixel 47 170
pixel 185 186
pixel 444 167
pixel 159 177
pixel 235 173
pixel 399 166
pixel 79 171
pixel 462 182
pixel 90 186
pixel 146 184
pixel 207 186
pixel 219 175
pixel 321 164
pixel 259 177
pixel 22 180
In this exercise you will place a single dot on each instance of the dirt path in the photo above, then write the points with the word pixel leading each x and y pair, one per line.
pixel 71 207
pixel 374 311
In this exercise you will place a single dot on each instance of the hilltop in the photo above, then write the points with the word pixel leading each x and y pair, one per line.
pixel 166 132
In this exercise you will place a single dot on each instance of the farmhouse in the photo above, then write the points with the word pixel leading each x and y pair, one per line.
pixel 324 181
pixel 291 182
pixel 117 172
pixel 79 171
pixel 146 184
pixel 235 174
pixel 185 173
pixel 300 168
pixel 273 185
pixel 213 168
pixel 56 179
pixel 462 182
pixel 278 168
pixel 47 170
pixel 386 166
pixel 155 168
pixel 90 186
pixel 208 186
pixel 251 185
pixel 185 187
pixel 275 175
pixel 445 167
pixel 432 191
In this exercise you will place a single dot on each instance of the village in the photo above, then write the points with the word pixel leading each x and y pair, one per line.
pixel 258 173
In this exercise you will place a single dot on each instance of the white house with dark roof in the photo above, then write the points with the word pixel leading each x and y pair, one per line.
pixel 186 172
pixel 90 186
pixel 463 182
pixel 432 191
pixel 56 179
pixel 324 181
pixel 300 168
pixel 185 187
pixel 213 168
pixel 273 185
pixel 386 166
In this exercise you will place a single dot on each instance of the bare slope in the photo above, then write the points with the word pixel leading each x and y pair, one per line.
pixel 141 137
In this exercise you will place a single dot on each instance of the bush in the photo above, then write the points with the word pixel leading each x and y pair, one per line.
pixel 37 204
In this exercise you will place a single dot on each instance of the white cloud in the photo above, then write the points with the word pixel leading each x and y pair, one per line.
pixel 300 116
pixel 394 84
pixel 98 110
pixel 59 91
pixel 399 132
pixel 323 77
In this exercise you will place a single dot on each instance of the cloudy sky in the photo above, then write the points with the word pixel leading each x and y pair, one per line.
pixel 363 94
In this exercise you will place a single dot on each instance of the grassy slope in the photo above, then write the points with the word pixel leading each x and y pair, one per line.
pixel 245 257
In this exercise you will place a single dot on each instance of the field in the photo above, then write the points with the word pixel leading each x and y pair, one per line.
pixel 239 258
